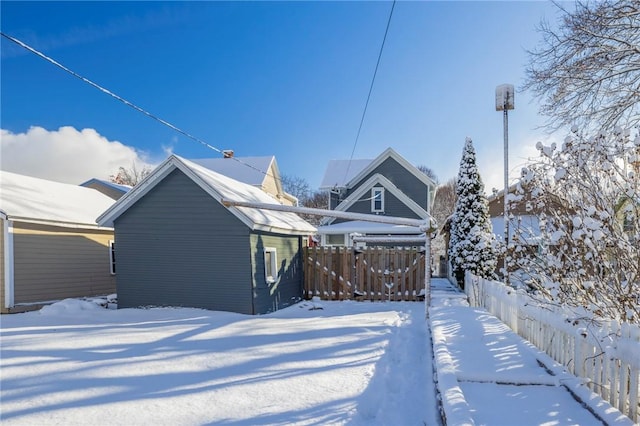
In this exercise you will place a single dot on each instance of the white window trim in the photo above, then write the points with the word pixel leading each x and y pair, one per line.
pixel 274 265
pixel 326 242
pixel 375 190
pixel 112 261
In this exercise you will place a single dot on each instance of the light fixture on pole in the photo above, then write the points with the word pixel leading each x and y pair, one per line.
pixel 505 102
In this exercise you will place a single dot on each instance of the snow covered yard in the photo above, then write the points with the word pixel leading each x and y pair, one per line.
pixel 347 363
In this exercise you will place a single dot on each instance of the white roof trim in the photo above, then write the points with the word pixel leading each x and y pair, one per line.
pixel 116 186
pixel 56 223
pixel 275 171
pixel 390 153
pixel 175 162
pixel 380 180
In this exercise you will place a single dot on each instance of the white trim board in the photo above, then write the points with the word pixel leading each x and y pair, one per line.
pixel 379 180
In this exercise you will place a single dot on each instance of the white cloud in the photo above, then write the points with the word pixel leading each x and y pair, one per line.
pixel 65 155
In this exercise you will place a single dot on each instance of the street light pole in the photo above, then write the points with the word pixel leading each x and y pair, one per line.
pixel 505 102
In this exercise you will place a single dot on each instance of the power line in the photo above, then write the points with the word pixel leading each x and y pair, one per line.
pixel 375 72
pixel 124 101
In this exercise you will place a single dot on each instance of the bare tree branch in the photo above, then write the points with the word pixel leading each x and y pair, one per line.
pixel 131 176
pixel 587 72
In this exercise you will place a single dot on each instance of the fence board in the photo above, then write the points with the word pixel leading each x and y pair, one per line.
pixel 339 273
pixel 606 356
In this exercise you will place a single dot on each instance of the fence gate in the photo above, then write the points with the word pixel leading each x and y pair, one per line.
pixel 371 273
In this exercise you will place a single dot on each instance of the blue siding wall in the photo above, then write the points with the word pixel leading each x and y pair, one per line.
pixel 392 207
pixel 406 182
pixel 177 246
pixel 269 297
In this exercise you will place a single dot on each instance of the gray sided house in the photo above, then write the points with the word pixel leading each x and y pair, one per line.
pixel 176 244
pixel 387 185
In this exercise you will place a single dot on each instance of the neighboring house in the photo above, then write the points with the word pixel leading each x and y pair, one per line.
pixel 387 185
pixel 261 172
pixel 110 189
pixel 627 213
pixel 178 245
pixel 51 247
pixel 522 219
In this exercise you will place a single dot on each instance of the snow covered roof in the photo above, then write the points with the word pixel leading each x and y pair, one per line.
pixel 363 227
pixel 346 173
pixel 122 188
pixel 340 172
pixel 219 187
pixel 33 199
pixel 250 170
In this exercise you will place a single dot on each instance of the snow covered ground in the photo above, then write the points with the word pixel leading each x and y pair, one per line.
pixel 339 363
pixel 348 363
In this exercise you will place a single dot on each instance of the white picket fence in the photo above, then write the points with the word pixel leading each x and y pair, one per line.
pixel 604 353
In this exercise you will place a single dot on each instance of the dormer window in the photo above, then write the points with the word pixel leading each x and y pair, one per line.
pixel 377 200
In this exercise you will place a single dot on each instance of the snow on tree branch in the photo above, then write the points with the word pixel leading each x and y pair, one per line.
pixel 586 197
pixel 472 244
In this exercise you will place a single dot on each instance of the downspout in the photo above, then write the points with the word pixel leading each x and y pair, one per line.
pixel 7 234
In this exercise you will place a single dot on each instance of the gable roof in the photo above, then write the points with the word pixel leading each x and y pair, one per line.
pixel 249 170
pixel 345 173
pixel 219 187
pixel 25 198
pixel 380 180
pixel 254 171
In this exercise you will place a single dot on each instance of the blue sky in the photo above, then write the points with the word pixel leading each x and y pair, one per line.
pixel 288 79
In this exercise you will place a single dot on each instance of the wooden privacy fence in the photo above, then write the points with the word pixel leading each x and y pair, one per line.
pixel 605 353
pixel 372 273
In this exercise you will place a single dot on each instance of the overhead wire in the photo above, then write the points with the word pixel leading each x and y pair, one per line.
pixel 126 102
pixel 373 80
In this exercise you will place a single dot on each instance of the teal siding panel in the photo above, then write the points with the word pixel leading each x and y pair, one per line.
pixel 288 288
pixel 177 246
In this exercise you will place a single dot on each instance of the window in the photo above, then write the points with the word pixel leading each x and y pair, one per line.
pixel 270 265
pixel 335 239
pixel 628 224
pixel 377 200
pixel 112 257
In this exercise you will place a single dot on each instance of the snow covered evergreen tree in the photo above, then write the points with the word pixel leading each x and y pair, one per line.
pixel 586 197
pixel 472 244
